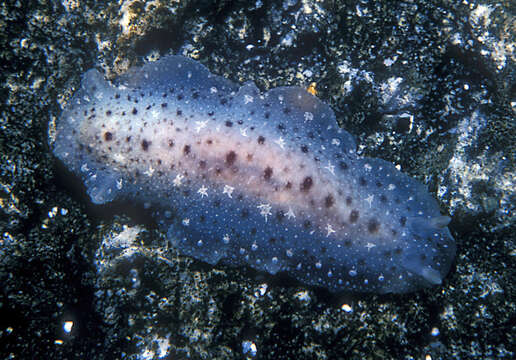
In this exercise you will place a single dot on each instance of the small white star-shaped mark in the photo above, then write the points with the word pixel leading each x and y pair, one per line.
pixel 335 141
pixel 369 199
pixel 186 221
pixel 248 99
pixel 225 238
pixel 149 171
pixel 243 132
pixel 228 190
pixel 203 191
pixel 369 246
pixel 265 210
pixel 280 142
pixel 290 214
pixel 177 180
pixel 119 157
pixel 330 168
pixel 308 116
pixel 329 229
pixel 199 125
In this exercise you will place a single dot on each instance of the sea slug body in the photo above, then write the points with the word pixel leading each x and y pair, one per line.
pixel 266 180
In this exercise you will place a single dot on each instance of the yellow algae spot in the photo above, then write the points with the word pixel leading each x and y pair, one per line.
pixel 311 89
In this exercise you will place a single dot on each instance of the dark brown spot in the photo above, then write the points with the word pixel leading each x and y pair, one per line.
pixel 134 112
pixel 304 149
pixel 343 165
pixel 108 113
pixel 373 226
pixel 202 164
pixel 179 112
pixel 261 140
pixel 170 143
pixel 245 213
pixel 383 198
pixel 307 224
pixel 329 201
pixel 353 216
pixel 379 184
pixel 145 145
pixel 249 157
pixel 164 105
pixel 348 243
pixel 280 215
pixel 231 158
pixel 288 186
pixel 229 124
pixel 127 139
pixel 267 174
pixel 306 184
pixel 362 181
pixel 186 149
pixel 209 141
pixel 403 221
pixel 398 251
pixel 108 136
